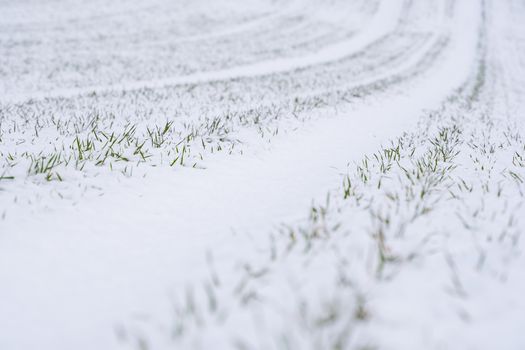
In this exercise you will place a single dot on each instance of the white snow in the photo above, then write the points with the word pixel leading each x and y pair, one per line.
pixel 90 257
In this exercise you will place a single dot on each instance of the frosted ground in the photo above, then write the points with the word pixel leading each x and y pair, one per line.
pixel 262 174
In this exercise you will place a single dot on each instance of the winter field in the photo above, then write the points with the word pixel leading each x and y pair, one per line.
pixel 262 174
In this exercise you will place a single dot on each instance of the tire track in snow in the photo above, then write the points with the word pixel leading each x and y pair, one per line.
pixel 408 51
pixel 92 57
pixel 341 67
pixel 384 21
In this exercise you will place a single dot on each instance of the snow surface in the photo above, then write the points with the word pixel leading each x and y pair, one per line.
pixel 274 103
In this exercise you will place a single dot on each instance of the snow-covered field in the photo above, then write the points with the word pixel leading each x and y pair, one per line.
pixel 262 174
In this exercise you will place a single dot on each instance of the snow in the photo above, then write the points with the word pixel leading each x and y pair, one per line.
pixel 383 22
pixel 102 256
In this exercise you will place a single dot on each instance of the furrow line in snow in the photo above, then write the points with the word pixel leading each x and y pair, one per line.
pixel 384 21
